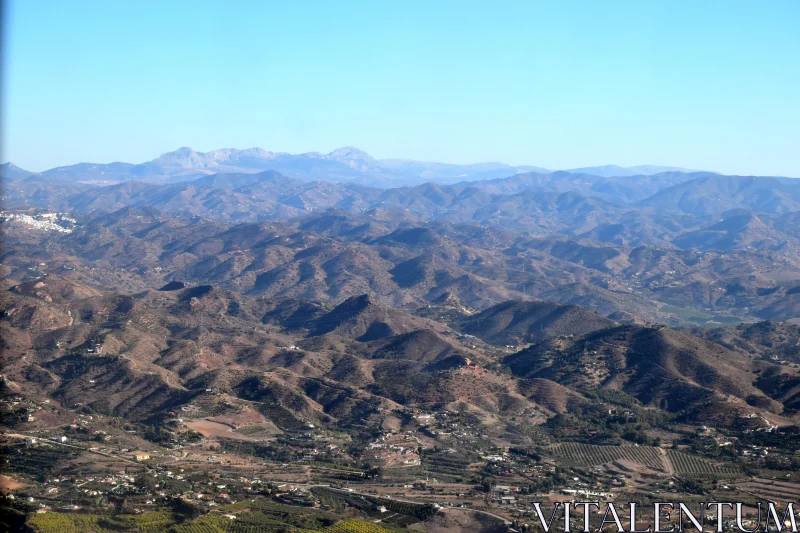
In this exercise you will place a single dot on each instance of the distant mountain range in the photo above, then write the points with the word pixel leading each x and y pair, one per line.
pixel 342 165
pixel 610 171
pixel 13 172
pixel 720 245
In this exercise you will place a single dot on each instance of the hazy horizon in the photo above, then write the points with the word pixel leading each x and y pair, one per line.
pixel 567 85
pixel 385 159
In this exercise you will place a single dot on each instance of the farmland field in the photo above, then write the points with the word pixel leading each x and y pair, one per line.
pixel 53 522
pixel 249 517
pixel 207 428
pixel 591 455
pixel 691 465
pixel 768 489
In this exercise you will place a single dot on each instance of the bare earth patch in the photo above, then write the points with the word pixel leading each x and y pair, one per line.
pixel 460 521
pixel 7 484
pixel 207 428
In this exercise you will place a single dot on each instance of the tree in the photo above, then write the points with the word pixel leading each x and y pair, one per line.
pixel 374 472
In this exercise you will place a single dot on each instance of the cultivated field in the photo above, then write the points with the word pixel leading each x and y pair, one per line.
pixel 768 489
pixel 591 455
pixel 685 465
pixel 207 428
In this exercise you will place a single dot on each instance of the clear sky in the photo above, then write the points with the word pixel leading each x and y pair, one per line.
pixel 700 84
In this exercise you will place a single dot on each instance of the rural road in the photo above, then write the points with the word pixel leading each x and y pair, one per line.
pixel 667 463
pixel 48 441
pixel 505 520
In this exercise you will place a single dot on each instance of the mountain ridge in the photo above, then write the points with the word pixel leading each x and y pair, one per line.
pixel 346 164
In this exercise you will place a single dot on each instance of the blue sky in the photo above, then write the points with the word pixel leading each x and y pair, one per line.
pixel 710 84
